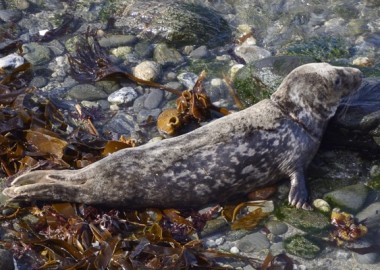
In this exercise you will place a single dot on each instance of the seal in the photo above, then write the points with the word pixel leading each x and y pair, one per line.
pixel 269 141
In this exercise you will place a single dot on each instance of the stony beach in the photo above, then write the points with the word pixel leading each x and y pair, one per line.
pixel 248 46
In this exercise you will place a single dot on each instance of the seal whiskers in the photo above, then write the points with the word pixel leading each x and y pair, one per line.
pixel 269 141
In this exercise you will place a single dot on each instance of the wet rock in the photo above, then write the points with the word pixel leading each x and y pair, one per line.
pixel 322 205
pixel 108 86
pixel 356 124
pixel 144 49
pixel 56 47
pixel 366 258
pixel 125 95
pixel 300 246
pixel 253 242
pixel 6 260
pixel 277 227
pixel 147 70
pixel 153 99
pixel 11 61
pixel 87 92
pixel 121 123
pixel 175 22
pixel 251 53
pixel 371 216
pixel 167 56
pixel 122 52
pixel 188 79
pixel 147 115
pixel 200 53
pixel 38 82
pixel 350 198
pixel 308 221
pixel 112 41
pixel 10 15
pixel 36 54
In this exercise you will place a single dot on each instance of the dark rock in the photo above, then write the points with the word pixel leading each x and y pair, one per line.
pixel 175 22
pixel 6 260
pixel 356 125
pixel 200 52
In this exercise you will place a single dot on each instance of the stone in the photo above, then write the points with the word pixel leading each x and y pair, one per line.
pixel 87 92
pixel 253 242
pixel 175 22
pixel 188 79
pixel 349 198
pixel 277 227
pixel 144 49
pixel 322 205
pixel 122 52
pixel 251 53
pixel 11 61
pixel 200 53
pixel 108 86
pixel 147 115
pixel 234 250
pixel 121 123
pixel 6 260
pixel 153 99
pixel 167 56
pixel 366 258
pixel 38 82
pixel 10 15
pixel 300 246
pixel 125 95
pixel 112 41
pixel 36 54
pixel 147 70
pixel 371 216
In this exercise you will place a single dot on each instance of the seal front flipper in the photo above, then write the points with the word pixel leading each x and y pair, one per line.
pixel 298 193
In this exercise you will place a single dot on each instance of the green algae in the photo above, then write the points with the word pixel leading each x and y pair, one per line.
pixel 301 246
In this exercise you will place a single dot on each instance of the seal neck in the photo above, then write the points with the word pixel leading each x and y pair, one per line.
pixel 315 131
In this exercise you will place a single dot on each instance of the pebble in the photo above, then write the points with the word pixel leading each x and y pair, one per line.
pixel 36 54
pixel 147 70
pixel 349 198
pixel 371 216
pixel 363 62
pixel 121 123
pixel 188 79
pixel 10 15
pixel 122 52
pixel 112 41
pixel 6 260
pixel 86 92
pixel 153 99
pixel 144 49
pixel 144 115
pixel 200 53
pixel 11 61
pixel 124 95
pixel 322 205
pixel 39 82
pixel 253 242
pixel 216 82
pixel 367 258
pixel 251 53
pixel 277 227
pixel 167 56
pixel 234 250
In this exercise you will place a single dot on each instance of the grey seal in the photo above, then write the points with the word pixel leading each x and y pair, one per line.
pixel 269 141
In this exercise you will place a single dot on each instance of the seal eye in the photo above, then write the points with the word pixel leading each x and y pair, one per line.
pixel 337 82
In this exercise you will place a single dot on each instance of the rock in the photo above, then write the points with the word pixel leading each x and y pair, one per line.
pixel 371 216
pixel 357 121
pixel 36 54
pixel 11 61
pixel 6 260
pixel 349 198
pixel 108 86
pixel 112 41
pixel 200 53
pixel 10 15
pixel 363 62
pixel 144 49
pixel 87 92
pixel 300 246
pixel 38 82
pixel 253 242
pixel 366 258
pixel 124 95
pixel 188 79
pixel 175 22
pixel 122 52
pixel 214 226
pixel 234 250
pixel 322 205
pixel 308 221
pixel 166 56
pixel 147 115
pixel 251 53
pixel 153 99
pixel 121 123
pixel 147 70
pixel 277 227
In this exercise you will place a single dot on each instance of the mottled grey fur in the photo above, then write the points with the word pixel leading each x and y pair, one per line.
pixel 272 140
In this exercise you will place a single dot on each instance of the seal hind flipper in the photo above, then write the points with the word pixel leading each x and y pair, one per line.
pixel 298 195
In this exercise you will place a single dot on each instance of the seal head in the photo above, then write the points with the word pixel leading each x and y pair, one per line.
pixel 269 141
